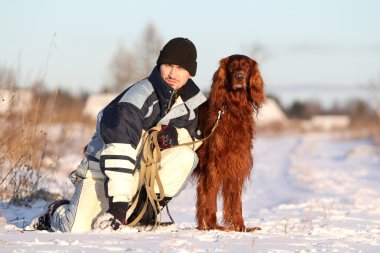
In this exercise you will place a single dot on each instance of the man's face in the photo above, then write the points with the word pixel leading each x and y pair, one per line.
pixel 175 76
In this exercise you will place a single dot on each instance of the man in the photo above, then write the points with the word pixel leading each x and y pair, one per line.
pixel 107 178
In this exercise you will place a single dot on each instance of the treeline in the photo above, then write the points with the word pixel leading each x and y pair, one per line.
pixel 356 108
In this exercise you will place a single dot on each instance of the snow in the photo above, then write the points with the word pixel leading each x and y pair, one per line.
pixel 308 193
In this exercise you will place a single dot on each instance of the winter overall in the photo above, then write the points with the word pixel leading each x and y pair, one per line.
pixel 110 167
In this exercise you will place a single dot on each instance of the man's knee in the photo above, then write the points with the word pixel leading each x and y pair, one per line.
pixel 176 168
pixel 183 156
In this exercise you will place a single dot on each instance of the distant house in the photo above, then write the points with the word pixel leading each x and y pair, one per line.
pixel 328 122
pixel 270 113
pixel 15 101
pixel 95 103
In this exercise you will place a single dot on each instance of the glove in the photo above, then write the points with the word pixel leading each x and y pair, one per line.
pixel 167 137
pixel 118 210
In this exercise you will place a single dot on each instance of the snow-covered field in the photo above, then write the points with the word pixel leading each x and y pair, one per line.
pixel 308 193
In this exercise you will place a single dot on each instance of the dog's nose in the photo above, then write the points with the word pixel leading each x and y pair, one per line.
pixel 239 77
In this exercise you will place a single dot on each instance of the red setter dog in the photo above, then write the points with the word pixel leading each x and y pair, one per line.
pixel 225 159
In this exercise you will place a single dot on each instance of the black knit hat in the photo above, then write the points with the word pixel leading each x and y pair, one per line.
pixel 181 52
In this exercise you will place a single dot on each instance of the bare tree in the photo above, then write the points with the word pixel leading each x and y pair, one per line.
pixel 8 79
pixel 148 49
pixel 304 110
pixel 374 90
pixel 123 69
pixel 128 67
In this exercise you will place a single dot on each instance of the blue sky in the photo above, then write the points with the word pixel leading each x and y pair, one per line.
pixel 307 44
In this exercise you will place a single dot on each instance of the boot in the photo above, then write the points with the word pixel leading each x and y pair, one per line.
pixel 43 222
pixel 149 217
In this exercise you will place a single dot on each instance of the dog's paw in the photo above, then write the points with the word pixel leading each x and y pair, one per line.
pixel 250 229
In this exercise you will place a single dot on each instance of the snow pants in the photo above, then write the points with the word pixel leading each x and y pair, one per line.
pixel 89 200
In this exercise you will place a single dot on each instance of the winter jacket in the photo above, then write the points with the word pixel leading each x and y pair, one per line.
pixel 115 145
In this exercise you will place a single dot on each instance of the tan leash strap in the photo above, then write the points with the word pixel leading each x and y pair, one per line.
pixel 220 113
pixel 149 166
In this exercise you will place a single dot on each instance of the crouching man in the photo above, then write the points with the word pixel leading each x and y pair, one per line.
pixel 107 179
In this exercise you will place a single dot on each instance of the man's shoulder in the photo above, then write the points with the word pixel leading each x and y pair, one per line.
pixel 192 95
pixel 138 93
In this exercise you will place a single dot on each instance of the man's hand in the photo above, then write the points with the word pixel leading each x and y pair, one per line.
pixel 167 137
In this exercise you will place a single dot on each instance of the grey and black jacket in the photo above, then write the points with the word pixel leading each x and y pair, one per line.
pixel 121 124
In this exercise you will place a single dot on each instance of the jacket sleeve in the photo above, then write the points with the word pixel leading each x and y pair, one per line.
pixel 120 129
pixel 189 132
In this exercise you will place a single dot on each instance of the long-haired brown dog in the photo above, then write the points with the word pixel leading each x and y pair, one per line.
pixel 225 159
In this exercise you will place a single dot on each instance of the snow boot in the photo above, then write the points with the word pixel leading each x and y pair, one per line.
pixel 149 217
pixel 43 222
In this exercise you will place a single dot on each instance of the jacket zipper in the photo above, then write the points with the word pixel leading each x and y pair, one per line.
pixel 171 101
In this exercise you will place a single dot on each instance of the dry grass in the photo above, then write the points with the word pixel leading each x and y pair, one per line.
pixel 27 149
pixel 369 128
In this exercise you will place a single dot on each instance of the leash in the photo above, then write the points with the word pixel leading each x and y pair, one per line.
pixel 220 113
pixel 149 166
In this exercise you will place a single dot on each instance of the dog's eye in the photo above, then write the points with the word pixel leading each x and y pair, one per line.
pixel 244 65
pixel 234 65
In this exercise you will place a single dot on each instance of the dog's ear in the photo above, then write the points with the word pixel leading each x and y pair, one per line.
pixel 219 91
pixel 220 74
pixel 256 86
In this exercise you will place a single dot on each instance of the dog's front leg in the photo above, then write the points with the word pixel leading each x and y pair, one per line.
pixel 207 192
pixel 232 205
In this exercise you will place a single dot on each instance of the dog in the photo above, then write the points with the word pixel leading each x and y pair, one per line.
pixel 225 158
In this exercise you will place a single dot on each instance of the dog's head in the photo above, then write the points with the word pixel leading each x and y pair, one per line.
pixel 239 73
